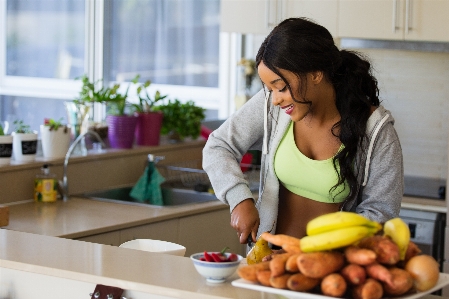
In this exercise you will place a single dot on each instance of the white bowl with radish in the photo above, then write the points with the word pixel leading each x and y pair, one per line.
pixel 216 267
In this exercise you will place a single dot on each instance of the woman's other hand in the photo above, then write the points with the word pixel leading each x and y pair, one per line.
pixel 245 220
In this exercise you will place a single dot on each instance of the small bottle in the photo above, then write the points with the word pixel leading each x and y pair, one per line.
pixel 45 185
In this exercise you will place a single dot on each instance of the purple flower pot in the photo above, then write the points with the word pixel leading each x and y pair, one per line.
pixel 148 129
pixel 121 130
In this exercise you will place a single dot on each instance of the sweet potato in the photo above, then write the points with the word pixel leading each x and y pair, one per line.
pixel 401 283
pixel 277 264
pixel 370 289
pixel 300 283
pixel 291 265
pixel 386 250
pixel 354 274
pixel 263 277
pixel 292 248
pixel 412 250
pixel 248 272
pixel 360 256
pixel 319 264
pixel 333 285
pixel 280 282
pixel 379 272
pixel 282 241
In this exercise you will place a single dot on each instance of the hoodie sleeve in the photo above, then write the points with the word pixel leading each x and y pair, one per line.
pixel 242 131
pixel 382 194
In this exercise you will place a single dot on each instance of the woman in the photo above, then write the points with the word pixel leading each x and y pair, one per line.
pixel 327 143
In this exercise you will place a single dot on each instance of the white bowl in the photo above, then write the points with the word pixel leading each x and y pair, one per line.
pixel 212 271
pixel 155 246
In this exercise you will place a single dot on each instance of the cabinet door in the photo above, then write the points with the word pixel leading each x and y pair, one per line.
pixel 209 231
pixel 371 19
pixel 324 12
pixel 163 230
pixel 248 16
pixel 110 238
pixel 427 20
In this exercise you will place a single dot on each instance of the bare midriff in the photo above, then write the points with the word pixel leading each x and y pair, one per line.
pixel 296 211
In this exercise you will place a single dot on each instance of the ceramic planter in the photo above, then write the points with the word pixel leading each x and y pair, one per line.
pixel 148 128
pixel 121 130
pixel 24 146
pixel 55 143
pixel 5 149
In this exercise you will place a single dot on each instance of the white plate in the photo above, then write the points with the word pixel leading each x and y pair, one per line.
pixel 241 283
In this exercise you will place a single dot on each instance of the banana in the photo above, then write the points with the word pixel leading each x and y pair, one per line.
pixel 337 220
pixel 336 238
pixel 399 232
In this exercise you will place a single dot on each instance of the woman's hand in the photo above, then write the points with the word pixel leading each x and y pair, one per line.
pixel 245 220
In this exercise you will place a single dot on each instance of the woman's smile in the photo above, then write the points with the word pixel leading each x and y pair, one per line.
pixel 288 109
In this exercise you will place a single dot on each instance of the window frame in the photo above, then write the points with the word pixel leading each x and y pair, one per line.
pixel 95 65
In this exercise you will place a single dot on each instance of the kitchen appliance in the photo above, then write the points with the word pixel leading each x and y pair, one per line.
pixel 432 188
pixel 427 231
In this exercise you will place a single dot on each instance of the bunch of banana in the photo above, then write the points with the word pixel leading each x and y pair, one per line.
pixel 336 230
pixel 399 232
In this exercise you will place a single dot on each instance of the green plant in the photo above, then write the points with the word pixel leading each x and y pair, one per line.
pixel 21 127
pixel 96 92
pixel 55 124
pixel 183 119
pixel 2 132
pixel 146 103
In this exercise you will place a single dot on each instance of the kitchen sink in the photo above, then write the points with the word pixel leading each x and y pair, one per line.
pixel 171 196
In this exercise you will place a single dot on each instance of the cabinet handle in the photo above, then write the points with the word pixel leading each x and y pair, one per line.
pixel 395 15
pixel 408 16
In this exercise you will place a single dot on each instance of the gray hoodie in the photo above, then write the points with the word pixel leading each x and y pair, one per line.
pixel 258 125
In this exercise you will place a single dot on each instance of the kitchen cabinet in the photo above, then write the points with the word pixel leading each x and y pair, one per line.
pixel 260 16
pixel 204 231
pixel 412 20
pixel 109 238
pixel 209 231
pixel 163 230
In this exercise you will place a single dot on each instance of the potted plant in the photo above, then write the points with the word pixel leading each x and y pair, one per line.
pixel 149 122
pixel 55 138
pixel 24 142
pixel 181 120
pixel 6 142
pixel 121 123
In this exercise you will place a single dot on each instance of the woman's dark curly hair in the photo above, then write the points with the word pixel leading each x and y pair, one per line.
pixel 301 46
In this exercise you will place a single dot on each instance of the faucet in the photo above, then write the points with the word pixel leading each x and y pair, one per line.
pixel 65 185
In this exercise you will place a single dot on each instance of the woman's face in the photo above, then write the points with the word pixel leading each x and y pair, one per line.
pixel 280 93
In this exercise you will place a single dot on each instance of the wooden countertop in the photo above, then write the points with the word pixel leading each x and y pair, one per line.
pixel 79 217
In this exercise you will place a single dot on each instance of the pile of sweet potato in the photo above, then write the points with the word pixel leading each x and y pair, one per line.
pixel 369 270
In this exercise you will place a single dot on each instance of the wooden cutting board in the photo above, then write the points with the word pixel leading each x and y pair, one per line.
pixel 4 216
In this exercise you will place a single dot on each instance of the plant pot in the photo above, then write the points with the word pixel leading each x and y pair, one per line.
pixel 148 128
pixel 121 130
pixel 5 149
pixel 55 143
pixel 24 146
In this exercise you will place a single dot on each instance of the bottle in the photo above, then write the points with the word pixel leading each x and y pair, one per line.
pixel 45 185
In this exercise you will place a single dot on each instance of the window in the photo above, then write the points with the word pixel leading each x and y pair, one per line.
pixel 46 44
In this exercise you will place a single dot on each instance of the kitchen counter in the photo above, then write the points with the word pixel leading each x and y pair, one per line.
pixel 137 272
pixel 424 204
pixel 79 217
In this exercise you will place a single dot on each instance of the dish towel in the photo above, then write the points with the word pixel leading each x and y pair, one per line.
pixel 148 187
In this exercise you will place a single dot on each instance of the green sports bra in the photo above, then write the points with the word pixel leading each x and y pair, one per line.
pixel 306 177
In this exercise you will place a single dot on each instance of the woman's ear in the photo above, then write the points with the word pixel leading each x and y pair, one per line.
pixel 317 77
